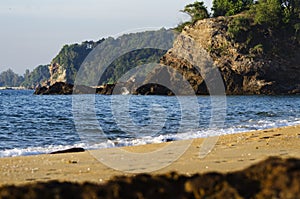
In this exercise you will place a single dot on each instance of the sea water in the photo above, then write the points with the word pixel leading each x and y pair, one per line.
pixel 31 124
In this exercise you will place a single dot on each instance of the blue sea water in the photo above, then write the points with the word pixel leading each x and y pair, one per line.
pixel 31 124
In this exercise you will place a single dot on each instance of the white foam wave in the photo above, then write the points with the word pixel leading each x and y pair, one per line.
pixel 35 150
pixel 120 142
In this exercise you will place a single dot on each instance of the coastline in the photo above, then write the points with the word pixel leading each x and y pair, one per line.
pixel 231 153
pixel 14 88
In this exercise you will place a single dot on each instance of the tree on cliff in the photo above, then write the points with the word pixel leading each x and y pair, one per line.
pixel 292 7
pixel 269 27
pixel 196 11
pixel 276 13
pixel 230 7
pixel 269 12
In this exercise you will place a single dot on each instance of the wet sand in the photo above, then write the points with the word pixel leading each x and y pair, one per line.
pixel 230 153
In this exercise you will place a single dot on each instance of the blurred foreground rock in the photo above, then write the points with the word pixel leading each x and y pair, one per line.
pixel 272 178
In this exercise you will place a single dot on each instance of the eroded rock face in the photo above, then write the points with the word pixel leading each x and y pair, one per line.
pixel 57 74
pixel 206 45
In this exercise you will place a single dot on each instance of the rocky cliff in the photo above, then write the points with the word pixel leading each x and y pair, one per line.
pixel 207 59
pixel 244 70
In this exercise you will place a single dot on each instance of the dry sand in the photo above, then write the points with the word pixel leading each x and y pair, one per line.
pixel 231 153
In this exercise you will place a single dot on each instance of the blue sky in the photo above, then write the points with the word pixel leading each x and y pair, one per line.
pixel 33 31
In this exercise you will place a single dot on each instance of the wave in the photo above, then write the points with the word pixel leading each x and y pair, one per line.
pixel 121 142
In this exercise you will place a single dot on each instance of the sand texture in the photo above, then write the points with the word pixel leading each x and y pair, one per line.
pixel 272 178
pixel 231 153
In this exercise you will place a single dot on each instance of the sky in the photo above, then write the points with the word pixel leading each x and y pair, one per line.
pixel 33 31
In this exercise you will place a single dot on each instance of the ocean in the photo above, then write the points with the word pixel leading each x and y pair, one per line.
pixel 32 124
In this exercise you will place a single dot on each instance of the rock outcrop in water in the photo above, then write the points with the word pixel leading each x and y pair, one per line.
pixel 62 88
pixel 58 88
pixel 273 178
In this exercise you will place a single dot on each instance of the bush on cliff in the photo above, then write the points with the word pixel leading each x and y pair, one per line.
pixel 197 11
pixel 230 7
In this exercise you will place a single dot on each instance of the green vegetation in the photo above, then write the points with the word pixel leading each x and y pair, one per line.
pixel 259 27
pixel 257 50
pixel 268 12
pixel 113 60
pixel 230 7
pixel 10 79
pixel 71 57
pixel 128 61
pixel 238 27
pixel 270 15
pixel 28 80
pixel 37 76
pixel 268 27
pixel 196 11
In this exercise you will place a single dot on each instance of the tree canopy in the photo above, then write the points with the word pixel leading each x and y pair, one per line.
pixel 145 47
pixel 196 11
pixel 230 7
pixel 71 57
pixel 37 76
pixel 276 12
pixel 10 79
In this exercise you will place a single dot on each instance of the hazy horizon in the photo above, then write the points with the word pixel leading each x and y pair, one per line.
pixel 35 31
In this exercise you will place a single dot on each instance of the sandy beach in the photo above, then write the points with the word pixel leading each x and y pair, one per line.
pixel 230 153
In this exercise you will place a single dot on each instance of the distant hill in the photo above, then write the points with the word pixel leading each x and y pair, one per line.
pixel 9 78
pixel 29 80
pixel 36 77
pixel 65 65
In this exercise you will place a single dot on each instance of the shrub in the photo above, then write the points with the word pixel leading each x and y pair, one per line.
pixel 237 27
pixel 258 49
pixel 230 7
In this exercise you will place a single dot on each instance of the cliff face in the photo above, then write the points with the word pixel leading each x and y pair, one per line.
pixel 57 74
pixel 242 73
pixel 65 65
pixel 204 59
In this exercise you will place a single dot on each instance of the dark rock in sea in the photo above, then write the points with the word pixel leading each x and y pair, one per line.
pixel 106 89
pixel 272 178
pixel 71 150
pixel 80 89
pixel 61 88
pixel 58 88
pixel 153 89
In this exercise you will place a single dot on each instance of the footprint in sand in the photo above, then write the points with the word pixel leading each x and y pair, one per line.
pixel 283 152
pixel 30 179
pixel 266 137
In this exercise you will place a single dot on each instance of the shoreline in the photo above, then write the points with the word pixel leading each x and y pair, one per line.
pixel 231 153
